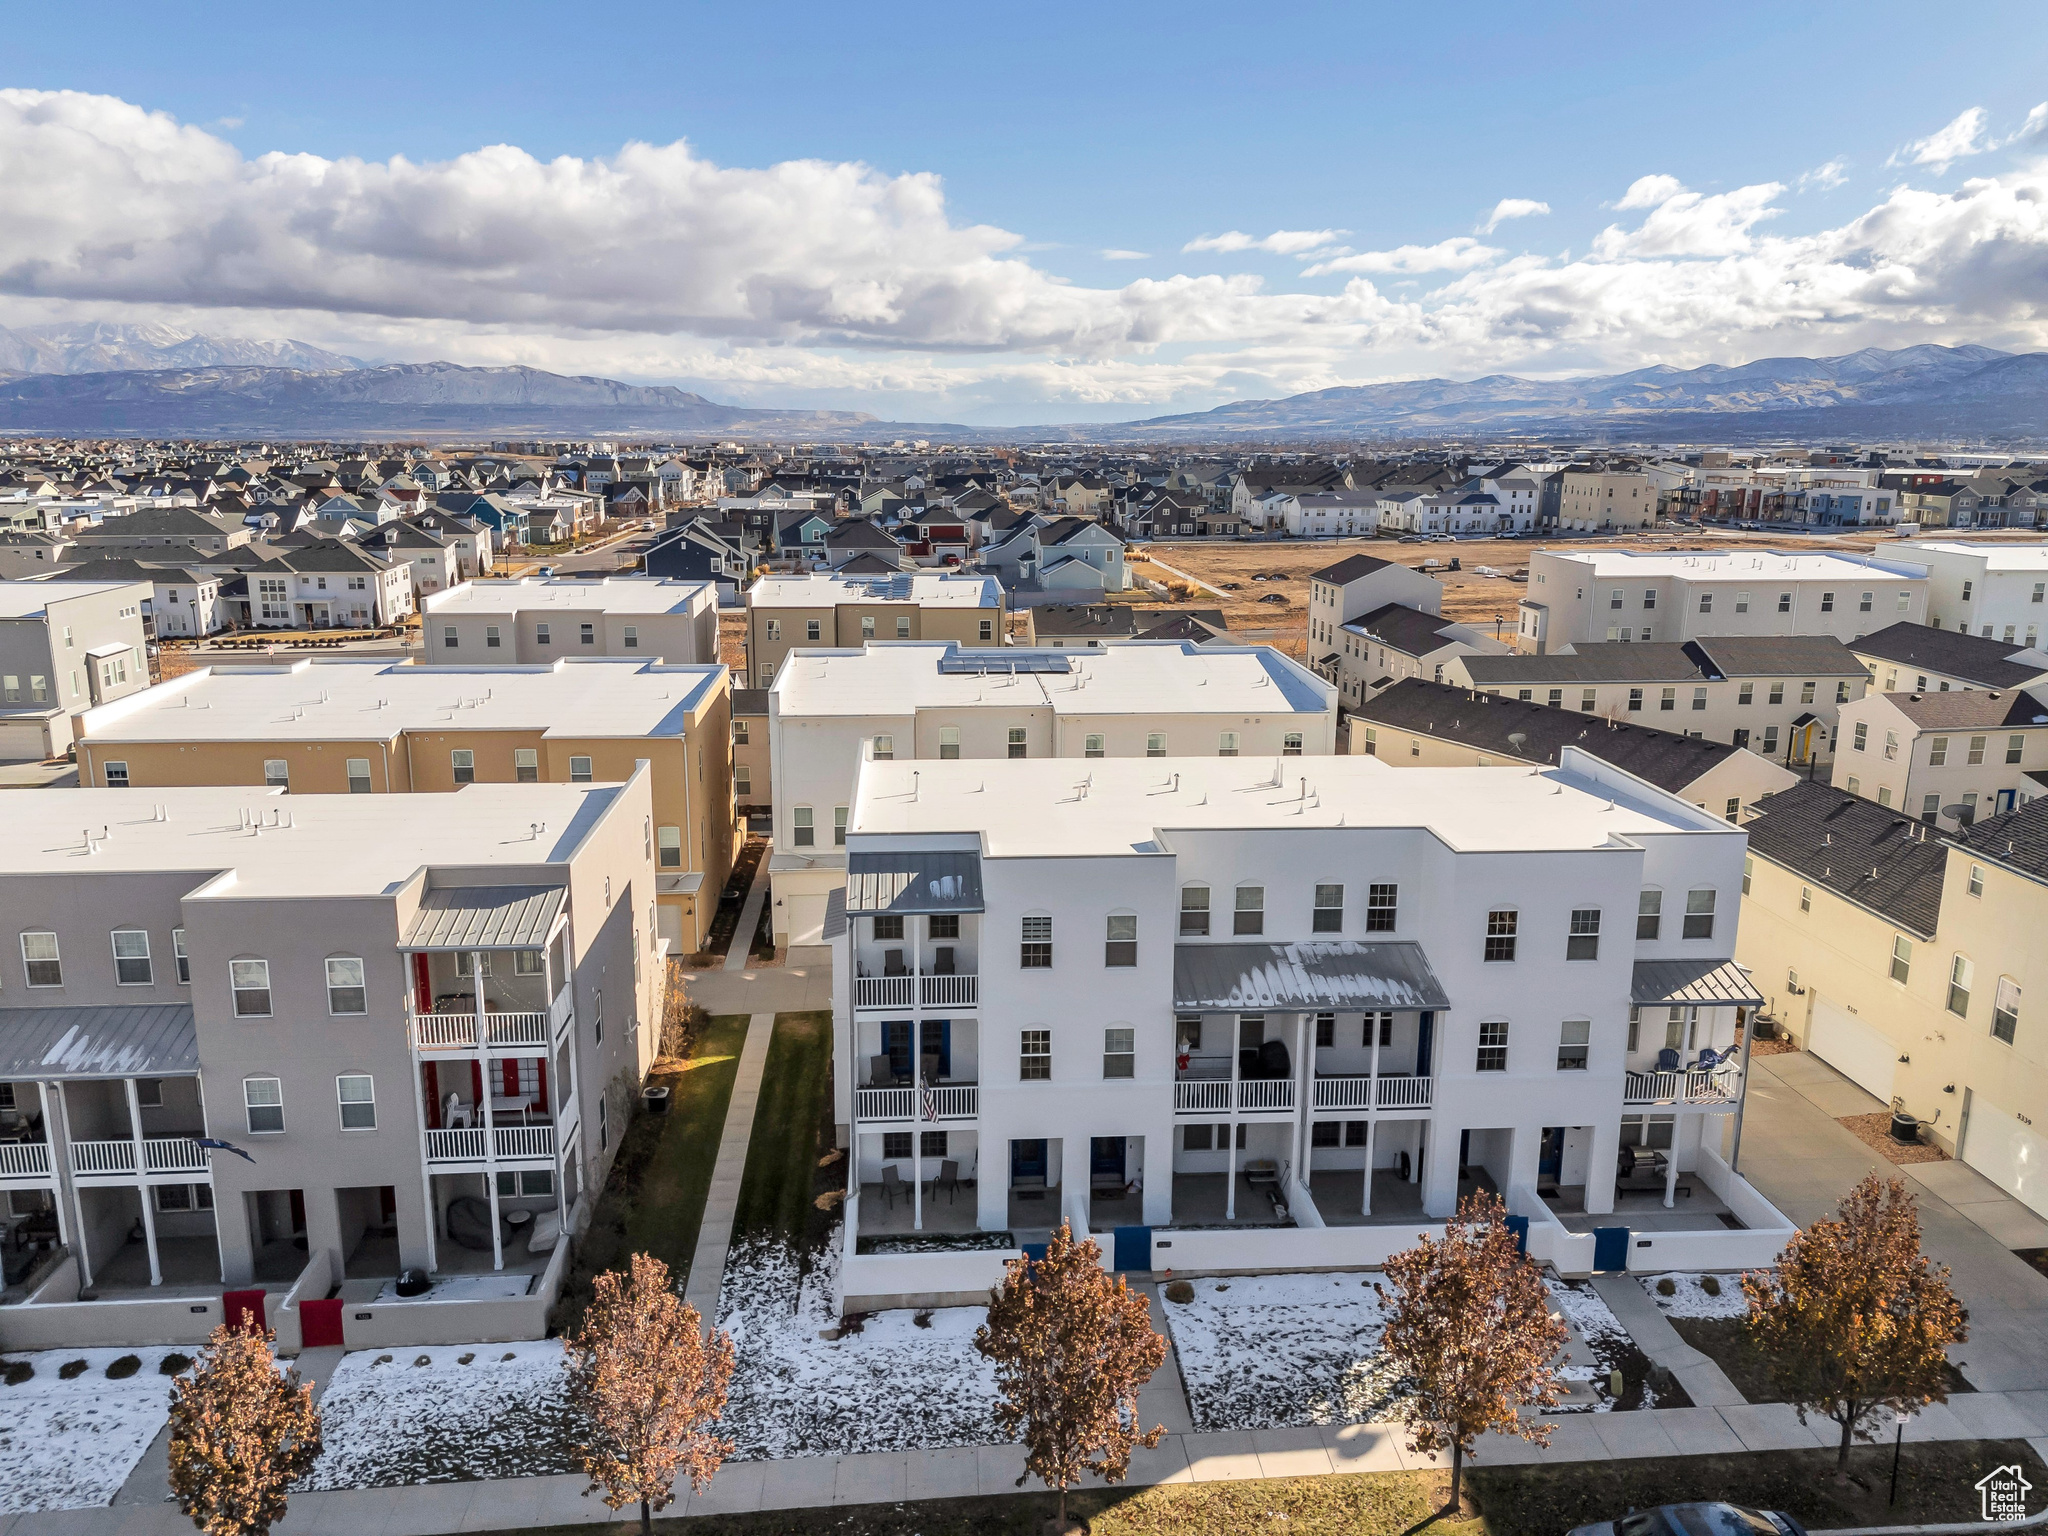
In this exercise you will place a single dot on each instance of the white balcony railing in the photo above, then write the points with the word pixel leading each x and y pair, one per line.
pixel 103 1157
pixel 457 1031
pixel 953 1101
pixel 928 991
pixel 1710 1085
pixel 1266 1093
pixel 1202 1095
pixel 883 991
pixel 174 1154
pixel 1343 1093
pixel 465 1144
pixel 1403 1092
pixel 951 991
pixel 24 1159
pixel 560 1011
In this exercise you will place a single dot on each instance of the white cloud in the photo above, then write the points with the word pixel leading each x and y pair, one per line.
pixel 1511 208
pixel 1691 223
pixel 1282 242
pixel 1116 255
pixel 2033 128
pixel 1649 191
pixel 1961 138
pixel 1460 253
pixel 1826 177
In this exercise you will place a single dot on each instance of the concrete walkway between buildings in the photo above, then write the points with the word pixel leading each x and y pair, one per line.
pixel 1704 1382
pixel 722 1203
pixel 742 942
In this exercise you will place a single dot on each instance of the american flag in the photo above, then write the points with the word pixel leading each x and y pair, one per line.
pixel 928 1100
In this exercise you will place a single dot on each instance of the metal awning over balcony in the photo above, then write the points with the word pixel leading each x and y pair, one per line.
pixel 913 881
pixel 485 917
pixel 146 1040
pixel 1339 973
pixel 1693 983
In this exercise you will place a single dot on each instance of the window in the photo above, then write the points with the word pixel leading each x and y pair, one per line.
pixel 949 741
pixel 1902 958
pixel 867 626
pixel 838 826
pixel 811 629
pixel 40 959
pixel 1937 751
pixel 1699 914
pixel 1615 599
pixel 586 634
pixel 1120 946
pixel 277 774
pixel 1500 934
pixel 1649 597
pixel 2015 746
pixel 1635 700
pixel 888 928
pixel 668 844
pixel 579 770
pixel 526 765
pixel 1777 693
pixel 803 828
pixel 541 635
pixel 1555 698
pixel 1842 692
pixel 1382 907
pixel 1119 1052
pixel 1827 602
pixel 597 1026
pixel 1967 586
pixel 117 775
pixel 1742 602
pixel 1587 700
pixel 1034 1056
pixel 1328 916
pixel 358 1094
pixel 988 629
pixel 1930 809
pixel 2005 1010
pixel 1976 750
pixel 1583 942
pixel 1197 1138
pixel 1649 915
pixel 1706 602
pixel 1733 810
pixel 1018 746
pixel 264 1099
pixel 184 1197
pixel 1155 744
pixel 1699 698
pixel 1976 879
pixel 631 638
pixel 131 958
pixel 1035 950
pixel 1961 974
pixel 1784 602
pixel 1325 1133
pixel 182 960
pixel 1326 1029
pixel 491 640
pixel 1194 911
pixel 1493 1047
pixel 1770 741
pixel 250 981
pixel 1905 602
pixel 775 629
pixel 1091 746
pixel 742 780
pixel 1861 739
pixel 742 732
pixel 1863 606
pixel 1372 742
pixel 1226 744
pixel 463 761
pixel 1574 1039
pixel 943 925
pixel 358 775
pixel 1668 700
pixel 1249 915
pixel 527 962
pixel 902 628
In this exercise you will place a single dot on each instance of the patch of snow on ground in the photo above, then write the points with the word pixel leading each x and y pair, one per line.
pixel 892 1386
pixel 71 1444
pixel 1689 1300
pixel 1273 1350
pixel 464 1288
pixel 389 1420
pixel 1586 1311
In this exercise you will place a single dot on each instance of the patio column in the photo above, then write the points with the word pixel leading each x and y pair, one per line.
pixel 58 1165
pixel 483 1105
pixel 910 927
pixel 156 1273
pixel 1671 1165
pixel 1372 1100
pixel 84 1247
pixel 1230 1131
pixel 419 1104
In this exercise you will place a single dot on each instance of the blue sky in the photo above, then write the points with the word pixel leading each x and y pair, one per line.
pixel 1721 182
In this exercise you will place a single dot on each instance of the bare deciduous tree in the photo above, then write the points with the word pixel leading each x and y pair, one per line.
pixel 648 1385
pixel 241 1434
pixel 1472 1332
pixel 1071 1345
pixel 1856 1317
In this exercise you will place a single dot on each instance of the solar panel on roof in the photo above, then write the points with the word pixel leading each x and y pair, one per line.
pixel 975 663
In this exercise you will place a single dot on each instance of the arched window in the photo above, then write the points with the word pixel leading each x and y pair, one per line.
pixel 1194 911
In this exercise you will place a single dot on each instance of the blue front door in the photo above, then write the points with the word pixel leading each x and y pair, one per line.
pixel 938 1039
pixel 1610 1249
pixel 1133 1248
pixel 1027 1160
pixel 896 1042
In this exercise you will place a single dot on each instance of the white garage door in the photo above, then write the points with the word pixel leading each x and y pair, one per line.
pixel 2007 1153
pixel 1854 1049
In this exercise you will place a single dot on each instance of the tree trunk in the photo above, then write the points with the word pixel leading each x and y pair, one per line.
pixel 646 1519
pixel 1457 1474
pixel 1842 1455
pixel 1063 1509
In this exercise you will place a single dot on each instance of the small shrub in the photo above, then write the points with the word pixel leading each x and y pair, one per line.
pixel 1667 1286
pixel 1711 1284
pixel 381 1360
pixel 173 1364
pixel 508 1355
pixel 18 1371
pixel 1180 1291
pixel 70 1370
pixel 923 1319
pixel 124 1367
pixel 464 1359
pixel 423 1360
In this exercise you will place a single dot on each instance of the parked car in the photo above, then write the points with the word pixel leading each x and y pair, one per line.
pixel 547 570
pixel 1696 1520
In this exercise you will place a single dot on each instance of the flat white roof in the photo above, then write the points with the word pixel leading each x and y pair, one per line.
pixel 1132 677
pixel 310 845
pixel 27 599
pixel 357 700
pixel 1996 557
pixel 612 594
pixel 1039 808
pixel 924 588
pixel 1739 564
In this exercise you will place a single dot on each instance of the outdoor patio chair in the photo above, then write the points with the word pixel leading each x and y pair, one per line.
pixel 892 1185
pixel 942 964
pixel 881 1071
pixel 948 1179
pixel 1668 1060
pixel 892 963
pixel 929 1063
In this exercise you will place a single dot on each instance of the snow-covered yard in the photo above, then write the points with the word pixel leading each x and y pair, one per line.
pixel 1689 1298
pixel 445 1413
pixel 71 1444
pixel 1265 1351
pixel 893 1385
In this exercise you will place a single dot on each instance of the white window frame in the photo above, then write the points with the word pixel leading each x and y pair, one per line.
pixel 359 985
pixel 148 977
pixel 343 1083
pixel 237 987
pixel 274 1102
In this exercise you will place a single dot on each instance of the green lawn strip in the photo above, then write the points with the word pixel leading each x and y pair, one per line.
pixel 653 1199
pixel 792 1130
pixel 1725 1341
pixel 1935 1486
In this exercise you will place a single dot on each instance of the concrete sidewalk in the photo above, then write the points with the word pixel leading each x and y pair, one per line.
pixel 893 1476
